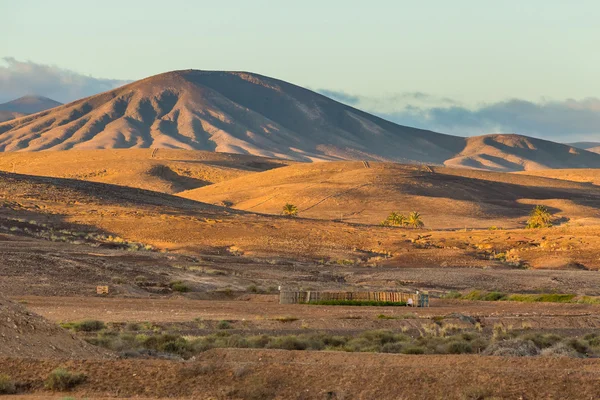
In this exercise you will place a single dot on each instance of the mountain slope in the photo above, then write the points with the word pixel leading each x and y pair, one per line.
pixel 29 104
pixel 226 112
pixel 520 153
pixel 244 113
pixel 589 146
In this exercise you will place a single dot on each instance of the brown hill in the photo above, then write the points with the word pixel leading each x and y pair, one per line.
pixel 27 335
pixel 447 197
pixel 582 175
pixel 239 112
pixel 29 104
pixel 84 214
pixel 519 153
pixel 164 170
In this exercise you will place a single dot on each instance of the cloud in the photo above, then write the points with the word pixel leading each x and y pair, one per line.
pixel 19 78
pixel 565 121
pixel 387 103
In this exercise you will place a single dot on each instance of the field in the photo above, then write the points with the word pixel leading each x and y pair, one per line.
pixel 194 279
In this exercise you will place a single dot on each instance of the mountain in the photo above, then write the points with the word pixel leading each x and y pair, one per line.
pixel 520 153
pixel 29 104
pixel 589 146
pixel 245 113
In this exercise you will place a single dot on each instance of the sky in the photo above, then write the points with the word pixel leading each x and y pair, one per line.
pixel 463 66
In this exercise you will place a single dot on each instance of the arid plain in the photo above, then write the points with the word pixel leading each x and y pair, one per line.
pixel 194 250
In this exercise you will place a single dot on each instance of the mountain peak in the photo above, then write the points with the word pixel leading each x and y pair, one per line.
pixel 247 113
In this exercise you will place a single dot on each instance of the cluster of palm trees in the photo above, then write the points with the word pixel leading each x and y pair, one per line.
pixel 396 219
pixel 540 217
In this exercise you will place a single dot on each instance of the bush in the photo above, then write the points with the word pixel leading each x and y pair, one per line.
pixel 85 326
pixel 224 325
pixel 7 386
pixel 459 347
pixel 561 349
pixel 413 350
pixel 62 380
pixel 512 348
pixel 179 286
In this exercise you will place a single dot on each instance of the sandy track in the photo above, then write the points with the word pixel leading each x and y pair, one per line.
pixel 265 307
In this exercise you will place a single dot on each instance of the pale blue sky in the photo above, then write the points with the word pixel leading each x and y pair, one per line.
pixel 470 51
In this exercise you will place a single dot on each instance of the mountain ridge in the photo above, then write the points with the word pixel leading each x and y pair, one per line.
pixel 246 113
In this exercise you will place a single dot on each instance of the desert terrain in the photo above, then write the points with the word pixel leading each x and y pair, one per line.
pixel 194 198
pixel 194 260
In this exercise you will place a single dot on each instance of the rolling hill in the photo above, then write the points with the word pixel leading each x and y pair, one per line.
pixel 245 113
pixel 589 146
pixel 367 193
pixel 164 170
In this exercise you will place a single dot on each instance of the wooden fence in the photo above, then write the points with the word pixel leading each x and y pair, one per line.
pixel 310 296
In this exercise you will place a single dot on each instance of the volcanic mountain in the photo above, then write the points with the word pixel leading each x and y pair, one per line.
pixel 245 113
pixel 29 104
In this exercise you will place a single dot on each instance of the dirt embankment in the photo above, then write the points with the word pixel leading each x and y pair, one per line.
pixel 25 334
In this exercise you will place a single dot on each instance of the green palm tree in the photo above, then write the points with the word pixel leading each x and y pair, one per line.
pixel 394 219
pixel 290 210
pixel 540 217
pixel 414 220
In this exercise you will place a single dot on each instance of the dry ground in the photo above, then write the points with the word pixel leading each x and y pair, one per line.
pixel 446 197
pixel 280 374
pixel 164 170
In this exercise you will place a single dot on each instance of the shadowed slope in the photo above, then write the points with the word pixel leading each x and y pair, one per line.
pixel 447 198
pixel 520 153
pixel 29 104
pixel 164 170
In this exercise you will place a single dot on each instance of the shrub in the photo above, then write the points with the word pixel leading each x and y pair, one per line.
pixel 513 348
pixel 224 325
pixel 459 347
pixel 62 380
pixel 413 350
pixel 179 286
pixel 561 349
pixel 7 386
pixel 286 319
pixel 85 326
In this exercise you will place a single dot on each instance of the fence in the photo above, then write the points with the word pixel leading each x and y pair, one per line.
pixel 310 296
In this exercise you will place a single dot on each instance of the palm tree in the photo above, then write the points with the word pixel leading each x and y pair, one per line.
pixel 290 210
pixel 540 217
pixel 414 220
pixel 394 219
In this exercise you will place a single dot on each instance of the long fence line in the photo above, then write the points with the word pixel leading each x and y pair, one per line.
pixel 310 296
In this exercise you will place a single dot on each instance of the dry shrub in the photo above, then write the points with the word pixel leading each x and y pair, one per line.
pixel 61 380
pixel 561 349
pixel 513 348
pixel 7 386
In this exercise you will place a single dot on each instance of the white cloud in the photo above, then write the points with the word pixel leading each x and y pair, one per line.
pixel 19 78
pixel 564 121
